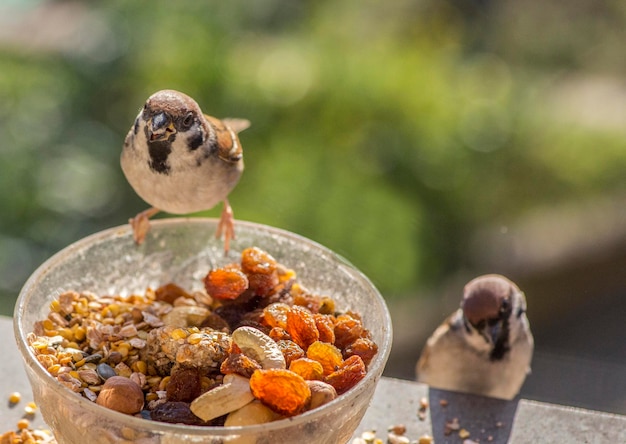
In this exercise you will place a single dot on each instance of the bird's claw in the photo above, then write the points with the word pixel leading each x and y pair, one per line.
pixel 226 226
pixel 141 224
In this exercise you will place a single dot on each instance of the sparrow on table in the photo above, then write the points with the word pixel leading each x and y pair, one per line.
pixel 180 160
pixel 485 347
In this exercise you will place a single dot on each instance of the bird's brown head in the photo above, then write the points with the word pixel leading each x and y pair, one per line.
pixel 487 305
pixel 168 112
pixel 487 297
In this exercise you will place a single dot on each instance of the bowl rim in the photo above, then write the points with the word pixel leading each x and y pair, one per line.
pixel 374 371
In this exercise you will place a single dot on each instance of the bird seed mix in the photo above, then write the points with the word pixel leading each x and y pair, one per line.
pixel 254 347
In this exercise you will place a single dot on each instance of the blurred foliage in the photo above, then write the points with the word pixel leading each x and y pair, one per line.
pixel 387 131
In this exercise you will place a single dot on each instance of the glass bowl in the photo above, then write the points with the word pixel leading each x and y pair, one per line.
pixel 182 251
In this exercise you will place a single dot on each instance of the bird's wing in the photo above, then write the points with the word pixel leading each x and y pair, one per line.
pixel 228 145
pixel 237 125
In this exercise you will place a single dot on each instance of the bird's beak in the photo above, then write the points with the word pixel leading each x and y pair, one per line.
pixel 160 127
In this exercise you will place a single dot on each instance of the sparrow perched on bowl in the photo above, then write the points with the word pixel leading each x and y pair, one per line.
pixel 180 160
pixel 485 347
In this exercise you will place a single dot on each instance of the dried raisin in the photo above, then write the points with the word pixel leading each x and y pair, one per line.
pixel 283 391
pixel 225 283
pixel 326 354
pixel 175 412
pixel 325 327
pixel 275 315
pixel 347 375
pixel 256 261
pixel 170 292
pixel 347 330
pixel 240 364
pixel 363 347
pixel 307 368
pixel 184 385
pixel 301 326
pixel 290 350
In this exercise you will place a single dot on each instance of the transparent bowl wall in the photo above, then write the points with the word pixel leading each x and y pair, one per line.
pixel 182 251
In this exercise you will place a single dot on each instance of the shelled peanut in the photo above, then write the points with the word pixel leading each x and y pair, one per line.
pixel 254 337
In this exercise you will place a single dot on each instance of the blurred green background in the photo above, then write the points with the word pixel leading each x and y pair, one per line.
pixel 426 141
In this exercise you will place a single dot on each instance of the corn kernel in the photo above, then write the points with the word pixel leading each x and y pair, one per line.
pixel 164 382
pixel 79 333
pixel 30 408
pixel 179 333
pixel 152 397
pixel 67 333
pixel 194 338
pixel 140 367
pixel 23 424
pixel 15 397
pixel 55 305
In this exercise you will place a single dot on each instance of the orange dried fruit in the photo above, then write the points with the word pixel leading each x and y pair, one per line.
pixel 326 354
pixel 325 327
pixel 225 283
pixel 363 347
pixel 263 284
pixel 256 261
pixel 278 333
pixel 291 351
pixel 312 302
pixel 240 364
pixel 301 326
pixel 283 391
pixel 307 368
pixel 347 375
pixel 275 315
pixel 347 330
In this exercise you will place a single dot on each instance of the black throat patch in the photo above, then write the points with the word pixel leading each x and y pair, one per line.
pixel 159 152
pixel 502 346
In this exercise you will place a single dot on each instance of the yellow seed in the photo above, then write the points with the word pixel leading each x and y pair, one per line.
pixel 15 397
pixel 179 333
pixel 164 382
pixel 67 333
pixel 55 305
pixel 30 408
pixel 152 397
pixel 47 324
pixel 79 332
pixel 140 367
pixel 54 369
pixel 74 374
pixel 123 351
pixel 23 424
pixel 194 338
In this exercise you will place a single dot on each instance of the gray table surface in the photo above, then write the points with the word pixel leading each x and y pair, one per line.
pixel 397 402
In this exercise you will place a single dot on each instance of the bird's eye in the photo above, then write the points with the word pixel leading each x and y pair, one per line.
pixel 188 120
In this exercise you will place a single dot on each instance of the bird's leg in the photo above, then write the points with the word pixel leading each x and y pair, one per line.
pixel 226 225
pixel 141 224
